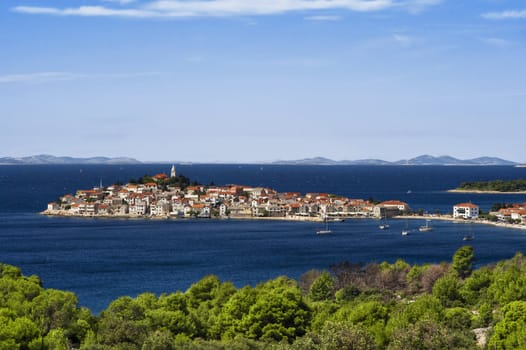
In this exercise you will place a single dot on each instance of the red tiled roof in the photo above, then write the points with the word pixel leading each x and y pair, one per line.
pixel 466 205
pixel 393 202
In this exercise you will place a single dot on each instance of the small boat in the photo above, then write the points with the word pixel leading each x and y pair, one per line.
pixel 336 220
pixel 405 231
pixel 326 230
pixel 468 238
pixel 425 228
pixel 383 224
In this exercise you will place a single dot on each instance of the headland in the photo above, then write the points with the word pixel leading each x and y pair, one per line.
pixel 175 197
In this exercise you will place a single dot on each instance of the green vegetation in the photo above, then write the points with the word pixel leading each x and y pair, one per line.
pixel 377 306
pixel 179 181
pixel 497 185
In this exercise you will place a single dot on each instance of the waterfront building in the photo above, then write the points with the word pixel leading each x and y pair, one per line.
pixel 466 211
pixel 390 208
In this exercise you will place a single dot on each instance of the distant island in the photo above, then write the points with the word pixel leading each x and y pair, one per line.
pixel 49 159
pixel 496 186
pixel 422 160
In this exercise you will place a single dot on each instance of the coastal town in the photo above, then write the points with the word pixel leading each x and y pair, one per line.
pixel 161 196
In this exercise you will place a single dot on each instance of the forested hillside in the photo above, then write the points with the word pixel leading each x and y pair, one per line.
pixel 378 306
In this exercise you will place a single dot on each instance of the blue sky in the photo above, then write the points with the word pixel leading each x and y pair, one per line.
pixel 259 80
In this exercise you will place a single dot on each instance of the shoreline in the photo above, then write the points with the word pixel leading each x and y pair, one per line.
pixel 484 192
pixel 462 221
pixel 173 217
pixel 294 218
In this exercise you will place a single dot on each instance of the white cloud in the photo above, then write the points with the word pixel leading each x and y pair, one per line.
pixel 404 40
pixel 323 18
pixel 122 2
pixel 499 42
pixel 417 6
pixel 223 8
pixel 39 77
pixel 44 77
pixel 512 14
pixel 87 11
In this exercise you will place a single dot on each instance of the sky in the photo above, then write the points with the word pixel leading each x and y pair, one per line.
pixel 263 80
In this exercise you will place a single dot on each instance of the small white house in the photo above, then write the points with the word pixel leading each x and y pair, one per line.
pixel 466 211
pixel 53 206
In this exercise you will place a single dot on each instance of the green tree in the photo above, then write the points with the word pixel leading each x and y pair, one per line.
pixel 430 335
pixel 322 288
pixel 510 332
pixel 229 324
pixel 56 340
pixel 279 312
pixel 20 333
pixel 54 309
pixel 509 281
pixel 159 340
pixel 426 307
pixel 457 318
pixel 371 316
pixel 123 324
pixel 463 261
pixel 336 336
pixel 446 289
pixel 474 289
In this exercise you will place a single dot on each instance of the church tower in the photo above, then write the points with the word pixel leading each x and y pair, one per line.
pixel 172 172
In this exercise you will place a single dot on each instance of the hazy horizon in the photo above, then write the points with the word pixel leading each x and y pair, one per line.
pixel 254 161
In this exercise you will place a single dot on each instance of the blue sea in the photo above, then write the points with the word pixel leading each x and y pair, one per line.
pixel 102 259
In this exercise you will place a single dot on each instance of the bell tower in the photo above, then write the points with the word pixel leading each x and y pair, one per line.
pixel 172 172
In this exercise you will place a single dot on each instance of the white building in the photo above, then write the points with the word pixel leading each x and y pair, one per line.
pixel 466 211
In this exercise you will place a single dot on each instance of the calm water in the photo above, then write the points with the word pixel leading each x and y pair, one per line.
pixel 103 259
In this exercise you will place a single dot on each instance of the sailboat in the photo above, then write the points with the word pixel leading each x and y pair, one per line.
pixel 326 230
pixel 425 228
pixel 383 226
pixel 405 231
pixel 469 237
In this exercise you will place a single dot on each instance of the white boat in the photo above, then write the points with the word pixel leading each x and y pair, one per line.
pixel 326 230
pixel 470 236
pixel 405 231
pixel 383 224
pixel 425 228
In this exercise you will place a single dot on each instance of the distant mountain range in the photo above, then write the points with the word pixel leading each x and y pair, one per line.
pixel 420 160
pixel 49 159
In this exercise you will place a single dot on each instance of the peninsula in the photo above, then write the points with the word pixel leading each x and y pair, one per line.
pixel 496 186
pixel 174 196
